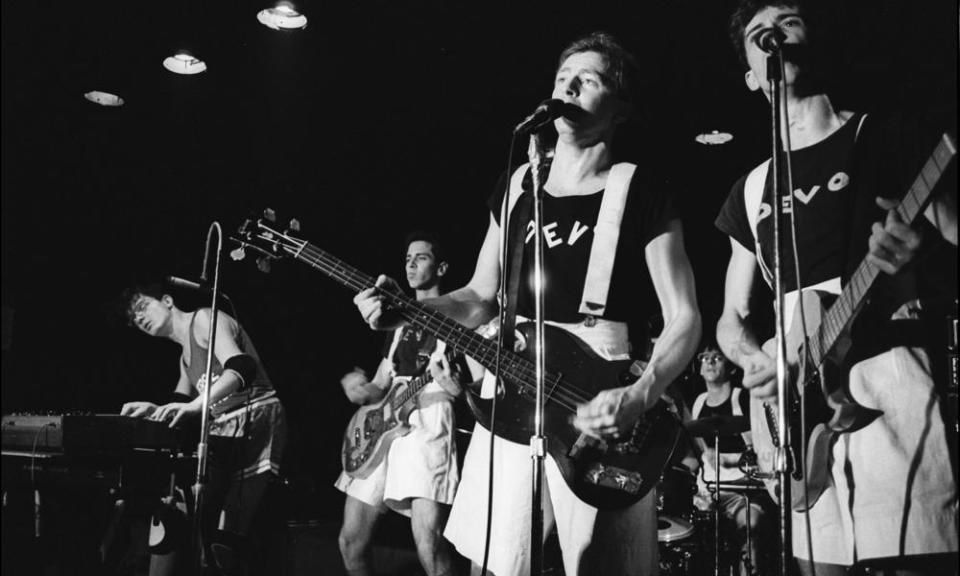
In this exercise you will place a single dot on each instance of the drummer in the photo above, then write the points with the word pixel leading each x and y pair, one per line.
pixel 724 399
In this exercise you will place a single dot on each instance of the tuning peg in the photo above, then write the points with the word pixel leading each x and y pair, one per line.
pixel 270 215
pixel 294 225
pixel 263 264
pixel 238 254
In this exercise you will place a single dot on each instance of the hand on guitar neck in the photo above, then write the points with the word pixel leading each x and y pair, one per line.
pixel 893 244
pixel 374 309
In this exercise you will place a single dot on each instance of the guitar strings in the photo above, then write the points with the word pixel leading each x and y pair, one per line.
pixel 564 394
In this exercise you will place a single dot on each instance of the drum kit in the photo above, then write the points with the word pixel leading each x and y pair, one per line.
pixel 691 540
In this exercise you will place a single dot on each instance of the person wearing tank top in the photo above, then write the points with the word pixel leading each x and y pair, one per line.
pixel 722 398
pixel 891 503
pixel 594 263
pixel 248 426
pixel 418 477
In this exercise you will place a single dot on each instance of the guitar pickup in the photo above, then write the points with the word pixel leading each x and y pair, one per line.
pixel 615 478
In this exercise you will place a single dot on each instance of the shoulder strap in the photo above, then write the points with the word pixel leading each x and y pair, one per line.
pixel 698 405
pixel 606 236
pixel 516 230
pixel 752 204
pixel 393 348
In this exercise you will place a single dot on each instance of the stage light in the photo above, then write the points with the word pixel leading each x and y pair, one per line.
pixel 714 138
pixel 104 98
pixel 183 62
pixel 283 16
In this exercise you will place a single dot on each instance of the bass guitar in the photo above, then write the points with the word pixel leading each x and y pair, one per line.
pixel 604 474
pixel 374 427
pixel 817 344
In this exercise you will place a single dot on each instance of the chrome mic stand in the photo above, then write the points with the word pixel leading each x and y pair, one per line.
pixel 199 487
pixel 538 442
pixel 775 73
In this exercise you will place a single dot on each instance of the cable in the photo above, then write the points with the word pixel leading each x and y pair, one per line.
pixel 504 235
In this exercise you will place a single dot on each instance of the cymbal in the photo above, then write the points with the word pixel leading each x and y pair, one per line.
pixel 718 425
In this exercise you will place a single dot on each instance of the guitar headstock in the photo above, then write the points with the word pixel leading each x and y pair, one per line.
pixel 267 238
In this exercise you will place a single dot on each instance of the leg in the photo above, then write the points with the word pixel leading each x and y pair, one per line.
pixel 807 569
pixel 427 520
pixel 359 521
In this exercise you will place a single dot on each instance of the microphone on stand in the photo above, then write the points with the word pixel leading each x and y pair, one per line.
pixel 770 40
pixel 546 112
pixel 177 282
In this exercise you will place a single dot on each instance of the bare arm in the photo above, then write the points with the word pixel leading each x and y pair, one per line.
pixel 360 390
pixel 142 409
pixel 225 347
pixel 675 287
pixel 614 411
pixel 734 336
pixel 471 305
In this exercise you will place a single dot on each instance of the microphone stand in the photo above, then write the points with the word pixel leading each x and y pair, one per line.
pixel 538 442
pixel 775 72
pixel 199 487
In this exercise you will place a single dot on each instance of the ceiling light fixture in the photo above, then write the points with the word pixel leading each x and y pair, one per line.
pixel 283 16
pixel 714 138
pixel 183 62
pixel 104 98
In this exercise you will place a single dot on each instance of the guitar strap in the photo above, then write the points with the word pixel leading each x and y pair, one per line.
pixel 603 250
pixel 753 190
pixel 517 215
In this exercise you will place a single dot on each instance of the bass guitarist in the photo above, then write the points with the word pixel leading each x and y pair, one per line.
pixel 890 500
pixel 595 78
pixel 419 476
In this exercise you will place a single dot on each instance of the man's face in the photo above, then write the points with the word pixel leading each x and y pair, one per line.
pixel 794 28
pixel 423 270
pixel 151 316
pixel 582 81
pixel 713 366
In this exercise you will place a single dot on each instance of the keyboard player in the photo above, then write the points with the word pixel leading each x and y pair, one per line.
pixel 248 429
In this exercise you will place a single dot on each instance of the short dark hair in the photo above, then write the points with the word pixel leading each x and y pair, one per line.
pixel 622 66
pixel 744 12
pixel 131 295
pixel 425 236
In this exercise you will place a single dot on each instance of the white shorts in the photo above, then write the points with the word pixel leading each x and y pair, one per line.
pixel 592 541
pixel 893 491
pixel 421 464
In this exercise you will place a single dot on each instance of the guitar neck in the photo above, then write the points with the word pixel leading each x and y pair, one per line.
pixel 839 316
pixel 414 386
pixel 511 366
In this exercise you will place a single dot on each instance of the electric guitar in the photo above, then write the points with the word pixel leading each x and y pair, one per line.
pixel 375 426
pixel 821 381
pixel 604 474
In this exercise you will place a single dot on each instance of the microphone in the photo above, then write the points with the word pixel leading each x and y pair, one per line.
pixel 770 40
pixel 177 282
pixel 546 112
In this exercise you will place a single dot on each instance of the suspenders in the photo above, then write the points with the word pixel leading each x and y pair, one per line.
pixel 606 235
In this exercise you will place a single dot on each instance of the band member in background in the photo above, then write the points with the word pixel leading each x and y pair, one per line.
pixel 418 478
pixel 248 427
pixel 594 79
pixel 722 398
pixel 892 499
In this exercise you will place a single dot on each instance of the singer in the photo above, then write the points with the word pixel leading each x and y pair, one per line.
pixel 248 431
pixel 891 502
pixel 595 78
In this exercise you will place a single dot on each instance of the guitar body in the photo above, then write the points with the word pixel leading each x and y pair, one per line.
pixel 607 475
pixel 371 430
pixel 830 409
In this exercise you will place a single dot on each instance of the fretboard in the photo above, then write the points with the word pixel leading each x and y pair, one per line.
pixel 513 367
pixel 842 312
